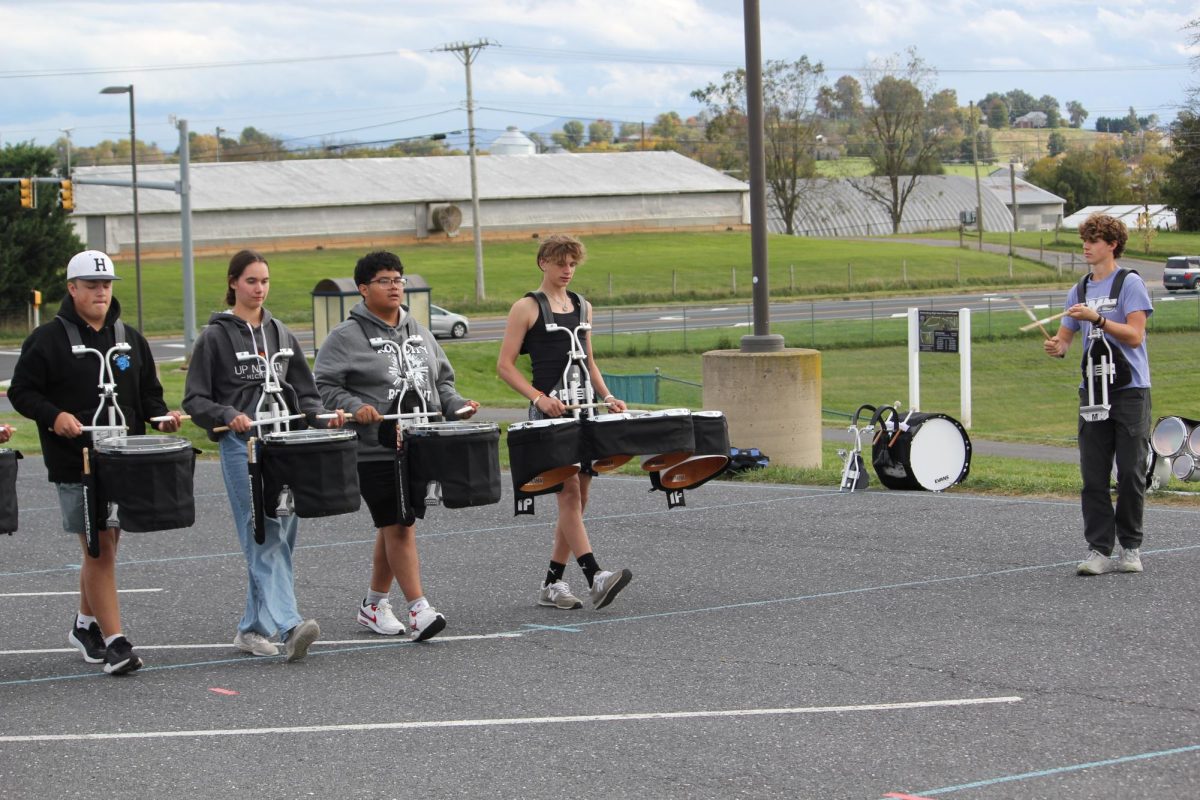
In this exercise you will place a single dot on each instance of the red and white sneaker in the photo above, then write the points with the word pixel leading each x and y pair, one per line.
pixel 380 618
pixel 425 624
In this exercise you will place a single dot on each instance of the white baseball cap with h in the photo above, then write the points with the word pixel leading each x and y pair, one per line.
pixel 91 265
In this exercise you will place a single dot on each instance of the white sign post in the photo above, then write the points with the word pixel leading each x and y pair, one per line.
pixel 944 340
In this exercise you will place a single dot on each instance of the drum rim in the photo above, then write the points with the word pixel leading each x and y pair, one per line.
pixel 308 436
pixel 1171 420
pixel 160 444
pixel 956 426
pixel 546 422
pixel 455 428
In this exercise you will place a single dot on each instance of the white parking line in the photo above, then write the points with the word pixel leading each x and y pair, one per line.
pixel 51 594
pixel 318 643
pixel 502 721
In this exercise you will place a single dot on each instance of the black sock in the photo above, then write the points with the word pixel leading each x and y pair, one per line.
pixel 587 563
pixel 555 573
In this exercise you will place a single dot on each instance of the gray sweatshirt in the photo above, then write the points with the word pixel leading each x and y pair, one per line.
pixel 351 373
pixel 219 387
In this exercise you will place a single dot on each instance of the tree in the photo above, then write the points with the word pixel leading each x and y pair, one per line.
pixel 1181 189
pixel 997 114
pixel 902 142
pixel 35 243
pixel 1048 105
pixel 571 137
pixel 600 130
pixel 1057 143
pixel 1076 113
pixel 1020 103
pixel 790 125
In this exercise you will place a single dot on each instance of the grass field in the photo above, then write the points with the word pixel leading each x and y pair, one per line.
pixel 621 270
pixel 1164 243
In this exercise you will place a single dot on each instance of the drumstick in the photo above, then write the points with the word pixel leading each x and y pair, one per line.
pixel 168 418
pixel 220 429
pixel 1032 316
pixel 1038 322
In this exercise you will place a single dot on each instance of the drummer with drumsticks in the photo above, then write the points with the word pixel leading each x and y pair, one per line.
pixel 379 358
pixel 557 259
pixel 56 387
pixel 225 381
pixel 1110 307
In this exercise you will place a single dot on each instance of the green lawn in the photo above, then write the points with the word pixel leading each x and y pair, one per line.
pixel 1164 243
pixel 621 270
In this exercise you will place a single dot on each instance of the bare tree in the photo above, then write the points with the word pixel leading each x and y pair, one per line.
pixel 901 134
pixel 790 126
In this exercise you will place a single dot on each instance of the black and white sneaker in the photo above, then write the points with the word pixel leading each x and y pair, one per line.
pixel 120 657
pixel 88 642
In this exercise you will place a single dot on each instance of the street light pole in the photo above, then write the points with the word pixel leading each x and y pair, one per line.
pixel 67 132
pixel 137 238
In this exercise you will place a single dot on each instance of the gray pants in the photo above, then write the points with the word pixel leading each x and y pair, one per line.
pixel 1125 436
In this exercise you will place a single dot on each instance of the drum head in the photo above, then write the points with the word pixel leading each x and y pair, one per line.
pixel 132 445
pixel 662 461
pixel 549 479
pixel 308 436
pixel 1184 468
pixel 692 471
pixel 1193 441
pixel 938 454
pixel 1169 436
pixel 610 463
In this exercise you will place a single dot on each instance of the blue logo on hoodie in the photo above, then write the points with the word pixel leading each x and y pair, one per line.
pixel 122 361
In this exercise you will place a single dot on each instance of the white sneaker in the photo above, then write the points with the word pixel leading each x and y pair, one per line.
pixel 558 595
pixel 255 643
pixel 606 585
pixel 1096 563
pixel 380 618
pixel 425 624
pixel 1130 560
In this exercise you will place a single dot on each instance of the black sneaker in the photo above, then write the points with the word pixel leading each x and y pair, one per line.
pixel 120 657
pixel 89 642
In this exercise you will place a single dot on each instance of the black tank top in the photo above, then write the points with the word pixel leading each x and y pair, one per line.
pixel 548 352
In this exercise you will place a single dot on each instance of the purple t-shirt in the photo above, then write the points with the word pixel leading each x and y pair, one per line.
pixel 1134 297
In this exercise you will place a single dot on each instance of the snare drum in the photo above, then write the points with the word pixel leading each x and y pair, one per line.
pixel 320 467
pixel 1186 467
pixel 543 453
pixel 664 436
pixel 931 451
pixel 1171 434
pixel 464 457
pixel 711 431
pixel 150 480
pixel 8 489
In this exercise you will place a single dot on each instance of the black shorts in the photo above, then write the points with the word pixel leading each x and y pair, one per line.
pixel 377 485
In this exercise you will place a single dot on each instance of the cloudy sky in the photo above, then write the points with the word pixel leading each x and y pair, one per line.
pixel 372 70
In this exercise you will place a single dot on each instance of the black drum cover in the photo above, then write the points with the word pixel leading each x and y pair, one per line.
pixel 152 488
pixel 647 434
pixel 8 489
pixel 539 447
pixel 322 474
pixel 465 462
pixel 935 460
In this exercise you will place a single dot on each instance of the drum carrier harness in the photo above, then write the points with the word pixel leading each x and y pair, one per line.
pixel 1101 364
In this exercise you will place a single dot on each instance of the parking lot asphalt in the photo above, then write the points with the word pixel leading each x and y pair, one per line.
pixel 776 641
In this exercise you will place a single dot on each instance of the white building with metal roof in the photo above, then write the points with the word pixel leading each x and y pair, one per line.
pixel 833 207
pixel 1162 217
pixel 377 201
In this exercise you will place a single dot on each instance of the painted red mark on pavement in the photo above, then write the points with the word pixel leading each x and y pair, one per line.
pixel 899 796
pixel 217 690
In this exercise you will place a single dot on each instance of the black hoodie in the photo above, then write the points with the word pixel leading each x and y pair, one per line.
pixel 48 380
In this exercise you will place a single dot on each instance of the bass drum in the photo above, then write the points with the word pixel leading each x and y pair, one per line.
pixel 919 451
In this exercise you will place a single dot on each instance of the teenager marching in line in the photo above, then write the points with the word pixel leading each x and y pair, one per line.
pixel 58 391
pixel 223 392
pixel 557 259
pixel 365 379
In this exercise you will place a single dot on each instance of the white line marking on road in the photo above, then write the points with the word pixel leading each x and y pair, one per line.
pixel 502 721
pixel 319 643
pixel 899 314
pixel 177 346
pixel 49 594
pixel 670 319
pixel 720 309
pixel 1041 305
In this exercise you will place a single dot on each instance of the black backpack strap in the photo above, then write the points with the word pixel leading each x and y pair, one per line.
pixel 544 312
pixel 72 336
pixel 584 307
pixel 1113 293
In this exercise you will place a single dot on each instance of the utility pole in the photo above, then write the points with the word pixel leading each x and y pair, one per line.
pixel 467 53
pixel 1012 183
pixel 220 130
pixel 67 132
pixel 975 159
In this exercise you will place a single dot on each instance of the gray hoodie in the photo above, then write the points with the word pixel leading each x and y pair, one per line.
pixel 219 387
pixel 351 373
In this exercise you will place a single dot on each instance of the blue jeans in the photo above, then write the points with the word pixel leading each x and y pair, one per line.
pixel 270 594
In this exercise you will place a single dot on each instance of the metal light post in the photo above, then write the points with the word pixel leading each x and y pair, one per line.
pixel 137 238
pixel 67 133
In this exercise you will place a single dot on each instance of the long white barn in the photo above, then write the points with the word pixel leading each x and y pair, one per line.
pixel 384 201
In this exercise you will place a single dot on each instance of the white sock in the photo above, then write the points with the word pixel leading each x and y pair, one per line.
pixel 84 621
pixel 374 597
pixel 418 605
pixel 108 640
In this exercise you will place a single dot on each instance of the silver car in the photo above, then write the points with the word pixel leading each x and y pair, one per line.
pixel 1181 272
pixel 447 323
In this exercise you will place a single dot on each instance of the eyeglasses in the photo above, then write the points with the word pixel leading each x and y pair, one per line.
pixel 388 282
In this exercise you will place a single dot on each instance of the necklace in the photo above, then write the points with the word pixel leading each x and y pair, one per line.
pixel 563 305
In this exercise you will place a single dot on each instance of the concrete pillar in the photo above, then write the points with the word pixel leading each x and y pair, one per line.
pixel 772 401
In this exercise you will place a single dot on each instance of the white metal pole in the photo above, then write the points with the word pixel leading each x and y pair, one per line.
pixel 964 362
pixel 914 361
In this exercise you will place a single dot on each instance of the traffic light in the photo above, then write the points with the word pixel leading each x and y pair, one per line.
pixel 66 196
pixel 26 192
pixel 37 297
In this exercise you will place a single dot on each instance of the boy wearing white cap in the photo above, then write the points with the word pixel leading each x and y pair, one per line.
pixel 59 393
